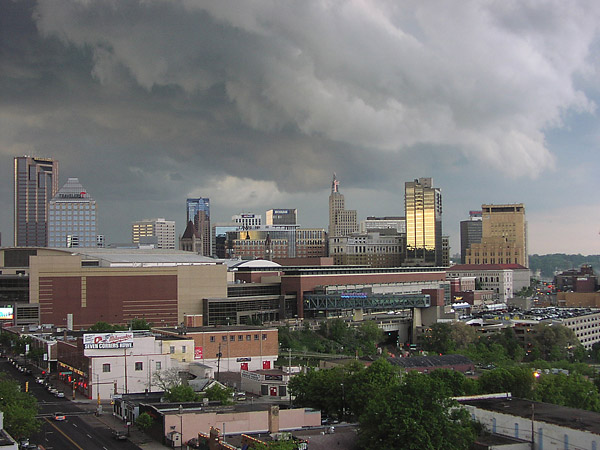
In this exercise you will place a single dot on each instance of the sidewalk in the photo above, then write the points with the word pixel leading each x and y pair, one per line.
pixel 107 419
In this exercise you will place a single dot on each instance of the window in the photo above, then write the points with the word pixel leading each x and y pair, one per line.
pixel 264 337
pixel 172 349
pixel 248 337
pixel 105 367
pixel 158 365
pixel 212 339
pixel 240 337
pixel 256 337
pixel 139 366
pixel 232 338
pixel 224 338
pixel 183 349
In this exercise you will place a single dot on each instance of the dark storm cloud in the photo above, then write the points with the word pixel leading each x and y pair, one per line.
pixel 151 101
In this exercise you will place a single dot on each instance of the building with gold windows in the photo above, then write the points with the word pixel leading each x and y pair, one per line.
pixel 423 211
pixel 503 236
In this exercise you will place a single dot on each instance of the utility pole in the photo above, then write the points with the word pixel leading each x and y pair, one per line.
pixel 219 362
pixel 125 356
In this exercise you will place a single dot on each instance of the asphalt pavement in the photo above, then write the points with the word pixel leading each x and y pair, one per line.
pixel 82 429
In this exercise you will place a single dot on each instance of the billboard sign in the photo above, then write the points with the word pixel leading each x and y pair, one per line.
pixel 108 340
pixel 198 353
pixel 6 313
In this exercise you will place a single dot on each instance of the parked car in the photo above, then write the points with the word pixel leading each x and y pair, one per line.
pixel 58 416
pixel 59 394
pixel 193 443
pixel 120 435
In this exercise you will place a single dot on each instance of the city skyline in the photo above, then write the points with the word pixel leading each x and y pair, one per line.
pixel 255 107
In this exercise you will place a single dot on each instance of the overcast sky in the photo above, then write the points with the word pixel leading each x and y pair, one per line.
pixel 255 104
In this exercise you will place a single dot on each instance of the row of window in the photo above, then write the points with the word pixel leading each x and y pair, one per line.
pixel 138 366
pixel 240 337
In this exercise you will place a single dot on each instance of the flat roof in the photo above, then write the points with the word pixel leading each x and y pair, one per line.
pixel 578 419
pixel 212 329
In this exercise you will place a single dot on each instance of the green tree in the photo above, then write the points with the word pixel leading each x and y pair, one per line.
pixel 568 390
pixel 455 383
pixel 144 421
pixel 414 415
pixel 462 334
pixel 361 382
pixel 20 408
pixel 181 393
pixel 438 338
pixel 140 324
pixel 516 380
pixel 217 393
pixel 105 327
pixel 554 342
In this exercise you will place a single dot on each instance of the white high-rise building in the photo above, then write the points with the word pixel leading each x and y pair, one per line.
pixel 157 232
pixel 247 220
pixel 72 217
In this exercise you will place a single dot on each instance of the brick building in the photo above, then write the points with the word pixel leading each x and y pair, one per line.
pixel 241 347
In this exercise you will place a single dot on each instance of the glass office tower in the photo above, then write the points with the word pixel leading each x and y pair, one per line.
pixel 423 210
pixel 36 182
pixel 198 212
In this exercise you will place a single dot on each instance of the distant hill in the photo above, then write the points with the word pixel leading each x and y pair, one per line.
pixel 557 262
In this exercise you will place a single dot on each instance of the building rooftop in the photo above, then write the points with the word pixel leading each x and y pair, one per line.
pixel 430 361
pixel 577 419
pixel 487 267
pixel 142 257
pixel 211 329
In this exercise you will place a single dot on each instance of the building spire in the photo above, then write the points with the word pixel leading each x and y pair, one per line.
pixel 335 184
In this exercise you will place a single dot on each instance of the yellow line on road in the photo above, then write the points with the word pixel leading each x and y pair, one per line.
pixel 64 434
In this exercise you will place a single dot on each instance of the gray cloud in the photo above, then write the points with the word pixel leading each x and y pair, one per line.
pixel 256 103
pixel 485 79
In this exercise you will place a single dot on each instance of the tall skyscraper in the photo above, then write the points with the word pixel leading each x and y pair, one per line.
pixel 503 236
pixel 36 182
pixel 423 211
pixel 470 233
pixel 158 232
pixel 342 222
pixel 198 211
pixel 72 217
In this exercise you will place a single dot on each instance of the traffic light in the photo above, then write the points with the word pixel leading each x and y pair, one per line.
pixel 27 386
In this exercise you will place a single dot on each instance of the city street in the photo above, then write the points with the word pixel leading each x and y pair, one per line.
pixel 81 429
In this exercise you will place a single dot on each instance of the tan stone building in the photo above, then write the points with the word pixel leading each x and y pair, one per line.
pixel 503 236
pixel 342 222
pixel 118 285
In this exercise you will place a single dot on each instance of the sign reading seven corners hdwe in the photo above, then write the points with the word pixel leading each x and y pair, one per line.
pixel 108 340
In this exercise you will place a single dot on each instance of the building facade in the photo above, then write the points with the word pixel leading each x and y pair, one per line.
pixel 503 279
pixel 72 217
pixel 503 236
pixel 379 223
pixel 158 232
pixel 423 211
pixel 105 364
pixel 470 233
pixel 342 222
pixel 282 217
pixel 35 184
pixel 232 348
pixel 247 220
pixel 375 248
pixel 118 285
pixel 198 211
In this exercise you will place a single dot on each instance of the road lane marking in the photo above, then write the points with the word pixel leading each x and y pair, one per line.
pixel 64 434
pixel 75 425
pixel 89 436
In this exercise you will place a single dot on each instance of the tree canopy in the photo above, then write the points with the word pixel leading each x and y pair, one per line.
pixel 20 408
